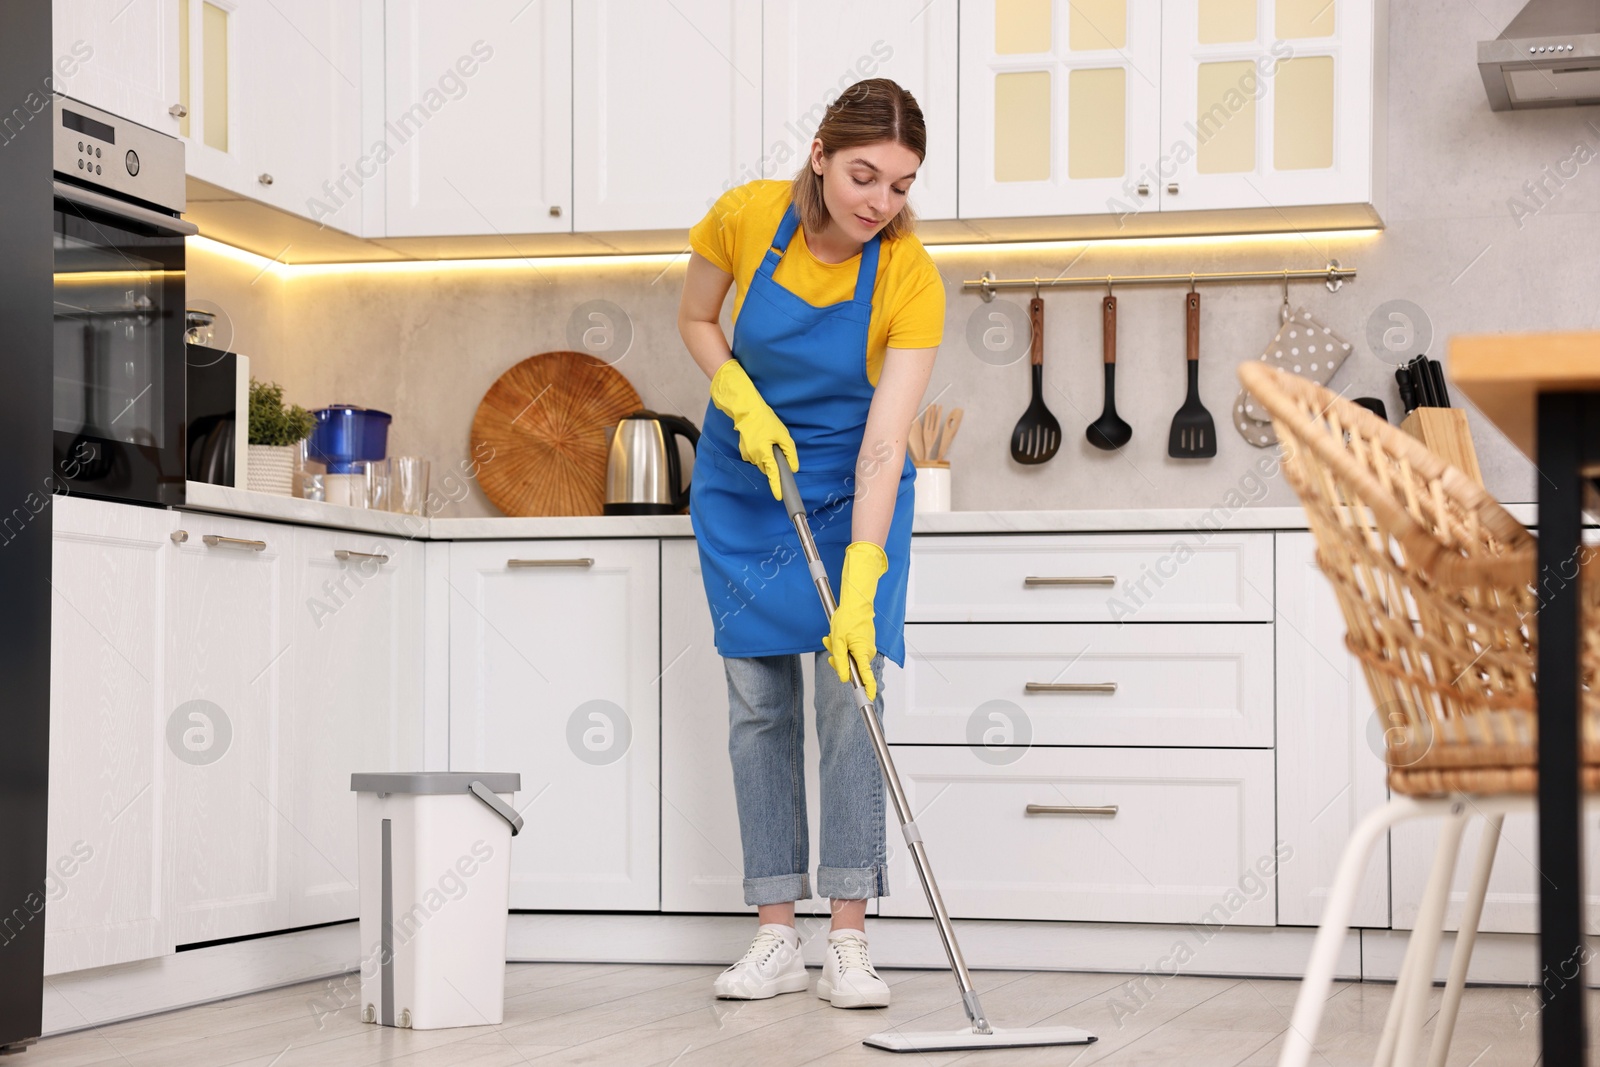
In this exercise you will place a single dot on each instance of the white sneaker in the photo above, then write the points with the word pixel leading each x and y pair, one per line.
pixel 848 980
pixel 771 966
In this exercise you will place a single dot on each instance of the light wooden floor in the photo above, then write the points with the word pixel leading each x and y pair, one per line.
pixel 639 1015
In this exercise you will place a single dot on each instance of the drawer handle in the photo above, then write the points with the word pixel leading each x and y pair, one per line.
pixel 1070 687
pixel 1099 579
pixel 345 553
pixel 1072 809
pixel 213 540
pixel 584 561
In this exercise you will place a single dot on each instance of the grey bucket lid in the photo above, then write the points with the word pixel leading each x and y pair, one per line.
pixel 432 783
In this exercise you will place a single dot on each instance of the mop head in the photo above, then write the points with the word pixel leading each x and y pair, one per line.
pixel 966 1039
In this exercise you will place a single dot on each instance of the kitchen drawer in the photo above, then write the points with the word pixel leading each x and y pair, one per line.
pixel 1185 836
pixel 1170 577
pixel 1166 684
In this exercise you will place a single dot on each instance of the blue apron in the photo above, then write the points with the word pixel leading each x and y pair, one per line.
pixel 810 364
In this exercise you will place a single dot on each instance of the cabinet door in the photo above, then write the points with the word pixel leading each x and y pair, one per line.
pixel 1266 103
pixel 120 55
pixel 228 656
pixel 702 861
pixel 553 666
pixel 1330 748
pixel 478 117
pixel 300 108
pixel 811 51
pixel 108 714
pixel 666 110
pixel 356 630
pixel 1091 834
pixel 1060 106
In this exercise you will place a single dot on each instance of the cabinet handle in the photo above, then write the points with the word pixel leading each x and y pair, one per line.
pixel 1172 187
pixel 1072 809
pixel 1101 579
pixel 1070 687
pixel 345 553
pixel 213 540
pixel 583 562
pixel 179 536
pixel 1144 188
pixel 178 111
pixel 265 179
pixel 555 211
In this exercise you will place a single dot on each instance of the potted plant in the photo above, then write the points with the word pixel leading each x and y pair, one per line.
pixel 275 434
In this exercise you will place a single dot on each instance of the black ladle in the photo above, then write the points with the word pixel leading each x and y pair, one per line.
pixel 1108 431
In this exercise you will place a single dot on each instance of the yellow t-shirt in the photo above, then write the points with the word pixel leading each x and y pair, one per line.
pixel 907 299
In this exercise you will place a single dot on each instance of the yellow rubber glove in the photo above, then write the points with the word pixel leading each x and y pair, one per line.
pixel 851 631
pixel 759 426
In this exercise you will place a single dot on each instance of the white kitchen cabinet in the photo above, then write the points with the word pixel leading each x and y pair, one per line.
pixel 356 668
pixel 119 55
pixel 1060 106
pixel 554 660
pixel 813 49
pixel 274 94
pixel 1331 771
pixel 666 110
pixel 1088 684
pixel 229 652
pixel 1091 835
pixel 1190 576
pixel 702 862
pixel 106 884
pixel 478 116
pixel 1267 103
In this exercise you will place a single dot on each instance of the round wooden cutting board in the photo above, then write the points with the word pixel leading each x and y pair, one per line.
pixel 539 434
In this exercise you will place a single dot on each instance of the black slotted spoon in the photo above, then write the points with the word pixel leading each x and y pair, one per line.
pixel 1194 434
pixel 1038 434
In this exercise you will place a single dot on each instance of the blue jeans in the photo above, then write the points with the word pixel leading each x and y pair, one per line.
pixel 766 740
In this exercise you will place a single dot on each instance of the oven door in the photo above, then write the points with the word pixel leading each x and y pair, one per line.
pixel 119 374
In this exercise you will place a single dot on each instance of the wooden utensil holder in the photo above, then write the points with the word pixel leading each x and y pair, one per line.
pixel 1444 431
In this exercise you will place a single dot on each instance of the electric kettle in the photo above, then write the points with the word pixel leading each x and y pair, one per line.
pixel 643 473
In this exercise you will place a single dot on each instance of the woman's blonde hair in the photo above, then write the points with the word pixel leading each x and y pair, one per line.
pixel 869 112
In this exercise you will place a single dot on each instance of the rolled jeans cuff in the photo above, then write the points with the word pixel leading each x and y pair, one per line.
pixel 852 883
pixel 777 889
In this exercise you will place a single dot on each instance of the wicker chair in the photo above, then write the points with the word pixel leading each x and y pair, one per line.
pixel 1436 583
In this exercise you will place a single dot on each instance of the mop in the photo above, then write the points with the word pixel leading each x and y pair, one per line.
pixel 980 1035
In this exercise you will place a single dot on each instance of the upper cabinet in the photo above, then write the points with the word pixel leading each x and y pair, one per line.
pixel 119 55
pixel 272 91
pixel 666 110
pixel 812 50
pixel 1124 106
pixel 1266 103
pixel 477 117
pixel 1060 106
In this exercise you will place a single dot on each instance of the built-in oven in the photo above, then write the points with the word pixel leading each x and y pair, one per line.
pixel 119 307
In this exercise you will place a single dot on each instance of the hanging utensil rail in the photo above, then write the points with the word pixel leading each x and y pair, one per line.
pixel 1333 274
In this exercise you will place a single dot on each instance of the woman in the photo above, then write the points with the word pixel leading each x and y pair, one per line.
pixel 838 312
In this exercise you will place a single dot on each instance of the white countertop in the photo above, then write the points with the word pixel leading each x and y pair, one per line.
pixel 229 501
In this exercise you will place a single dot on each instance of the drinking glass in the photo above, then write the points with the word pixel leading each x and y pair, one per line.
pixel 408 484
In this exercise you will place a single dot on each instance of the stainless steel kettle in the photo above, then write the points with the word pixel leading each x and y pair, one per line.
pixel 643 473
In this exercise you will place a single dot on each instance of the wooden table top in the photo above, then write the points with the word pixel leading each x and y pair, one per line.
pixel 1503 374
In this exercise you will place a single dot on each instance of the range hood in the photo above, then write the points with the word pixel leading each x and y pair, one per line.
pixel 1548 56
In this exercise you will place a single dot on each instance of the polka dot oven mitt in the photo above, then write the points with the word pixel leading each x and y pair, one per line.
pixel 1303 346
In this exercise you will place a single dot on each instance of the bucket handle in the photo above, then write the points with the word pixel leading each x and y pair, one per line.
pixel 498 806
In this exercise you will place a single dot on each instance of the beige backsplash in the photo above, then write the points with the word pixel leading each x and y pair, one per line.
pixel 425 345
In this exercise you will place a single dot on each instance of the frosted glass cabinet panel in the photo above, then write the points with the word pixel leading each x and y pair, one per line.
pixel 1060 106
pixel 1266 103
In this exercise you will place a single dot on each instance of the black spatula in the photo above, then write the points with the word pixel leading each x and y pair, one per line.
pixel 1037 434
pixel 1194 434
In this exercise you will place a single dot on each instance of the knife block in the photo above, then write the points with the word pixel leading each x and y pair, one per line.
pixel 1444 431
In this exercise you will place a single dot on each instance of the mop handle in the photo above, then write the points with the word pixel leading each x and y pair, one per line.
pixel 796 509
